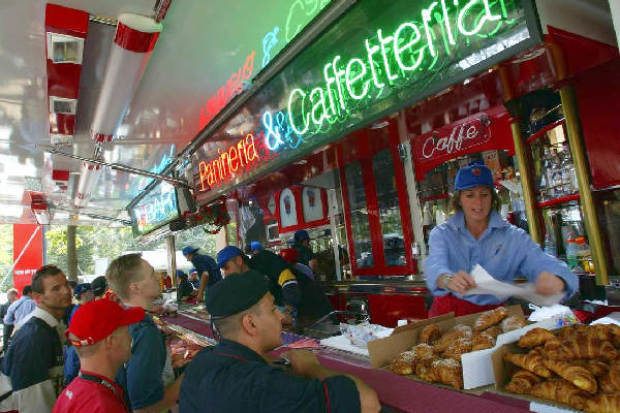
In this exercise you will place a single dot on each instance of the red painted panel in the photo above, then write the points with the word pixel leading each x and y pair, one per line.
pixel 63 79
pixel 31 257
pixel 388 309
pixel 580 52
pixel 598 100
pixel 62 123
pixel 59 19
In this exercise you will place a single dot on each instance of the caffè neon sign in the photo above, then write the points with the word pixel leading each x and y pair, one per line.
pixel 396 54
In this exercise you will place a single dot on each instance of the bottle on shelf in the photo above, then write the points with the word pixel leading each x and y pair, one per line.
pixel 584 256
pixel 571 253
pixel 550 247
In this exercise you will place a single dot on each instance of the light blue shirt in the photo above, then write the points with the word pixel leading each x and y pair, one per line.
pixel 19 309
pixel 503 250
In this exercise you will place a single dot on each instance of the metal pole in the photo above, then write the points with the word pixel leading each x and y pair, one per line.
pixel 588 207
pixel 524 163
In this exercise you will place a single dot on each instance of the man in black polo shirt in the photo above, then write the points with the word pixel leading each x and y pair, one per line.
pixel 234 375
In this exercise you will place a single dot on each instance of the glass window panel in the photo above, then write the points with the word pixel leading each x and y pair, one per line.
pixel 360 225
pixel 389 209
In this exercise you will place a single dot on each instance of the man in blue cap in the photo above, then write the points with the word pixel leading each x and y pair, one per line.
pixel 83 293
pixel 477 234
pixel 302 245
pixel 255 247
pixel 234 376
pixel 299 297
pixel 208 271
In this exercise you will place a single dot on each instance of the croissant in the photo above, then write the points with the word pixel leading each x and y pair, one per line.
pixel 430 334
pixel 522 382
pixel 423 365
pixel 445 371
pixel 608 332
pixel 536 337
pixel 577 375
pixel 581 347
pixel 482 341
pixel 490 318
pixel 460 346
pixel 512 323
pixel 493 331
pixel 571 331
pixel 528 362
pixel 604 403
pixel 610 383
pixel 561 391
pixel 597 367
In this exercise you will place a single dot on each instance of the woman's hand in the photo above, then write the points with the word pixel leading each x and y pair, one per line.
pixel 549 284
pixel 461 282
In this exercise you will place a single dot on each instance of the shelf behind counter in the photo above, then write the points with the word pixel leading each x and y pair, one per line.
pixel 397 393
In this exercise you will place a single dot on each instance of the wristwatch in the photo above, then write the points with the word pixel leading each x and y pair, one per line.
pixel 445 280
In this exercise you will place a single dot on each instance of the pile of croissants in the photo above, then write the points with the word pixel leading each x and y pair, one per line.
pixel 576 365
pixel 437 357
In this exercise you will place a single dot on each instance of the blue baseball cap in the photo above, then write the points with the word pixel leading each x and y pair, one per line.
pixel 80 289
pixel 255 246
pixel 227 253
pixel 301 235
pixel 189 250
pixel 473 175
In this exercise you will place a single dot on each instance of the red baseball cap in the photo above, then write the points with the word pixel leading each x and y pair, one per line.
pixel 94 321
pixel 290 255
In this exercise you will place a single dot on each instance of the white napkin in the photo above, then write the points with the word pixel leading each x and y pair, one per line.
pixel 486 284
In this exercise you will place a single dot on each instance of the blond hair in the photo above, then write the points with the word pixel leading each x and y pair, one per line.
pixel 123 271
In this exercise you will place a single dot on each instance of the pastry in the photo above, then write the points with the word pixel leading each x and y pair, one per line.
pixel 404 363
pixel 512 323
pixel 490 318
pixel 560 390
pixel 536 337
pixel 580 347
pixel 482 341
pixel 610 382
pixel 447 339
pixel 493 331
pixel 430 334
pixel 423 350
pixel 529 362
pixel 597 367
pixel 604 403
pixel 577 375
pixel 445 371
pixel 466 331
pixel 458 347
pixel 522 382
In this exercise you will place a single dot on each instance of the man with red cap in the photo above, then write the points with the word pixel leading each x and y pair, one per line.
pixel 99 331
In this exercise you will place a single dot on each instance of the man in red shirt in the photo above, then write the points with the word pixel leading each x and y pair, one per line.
pixel 100 333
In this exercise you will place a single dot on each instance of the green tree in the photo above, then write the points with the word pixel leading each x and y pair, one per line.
pixel 6 254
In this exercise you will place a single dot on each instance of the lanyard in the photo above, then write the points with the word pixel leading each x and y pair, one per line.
pixel 101 381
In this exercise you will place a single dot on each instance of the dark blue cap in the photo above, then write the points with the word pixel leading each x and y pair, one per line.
pixel 189 250
pixel 99 285
pixel 301 235
pixel 473 175
pixel 256 246
pixel 227 253
pixel 80 289
pixel 236 293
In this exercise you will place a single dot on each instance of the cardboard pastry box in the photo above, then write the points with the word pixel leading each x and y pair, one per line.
pixel 477 365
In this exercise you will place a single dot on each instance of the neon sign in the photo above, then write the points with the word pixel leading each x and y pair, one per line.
pixel 156 208
pixel 225 166
pixel 227 91
pixel 405 54
pixel 459 138
pixel 377 58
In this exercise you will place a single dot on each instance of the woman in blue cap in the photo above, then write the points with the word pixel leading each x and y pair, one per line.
pixel 476 234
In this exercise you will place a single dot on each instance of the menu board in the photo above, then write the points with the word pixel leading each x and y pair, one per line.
pixel 157 208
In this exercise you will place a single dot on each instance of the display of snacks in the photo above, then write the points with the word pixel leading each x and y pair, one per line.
pixel 438 356
pixel 578 366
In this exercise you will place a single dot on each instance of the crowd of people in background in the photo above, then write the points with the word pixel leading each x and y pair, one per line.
pixel 94 347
